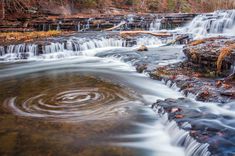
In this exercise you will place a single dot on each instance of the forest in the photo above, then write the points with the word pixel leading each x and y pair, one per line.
pixel 12 8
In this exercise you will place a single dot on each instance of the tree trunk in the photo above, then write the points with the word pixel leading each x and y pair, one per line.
pixel 2 9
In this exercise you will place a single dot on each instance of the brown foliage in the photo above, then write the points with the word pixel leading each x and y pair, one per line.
pixel 19 8
pixel 27 36
pixel 225 51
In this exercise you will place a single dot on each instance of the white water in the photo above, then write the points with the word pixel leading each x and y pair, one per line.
pixel 209 24
pixel 72 47
pixel 155 25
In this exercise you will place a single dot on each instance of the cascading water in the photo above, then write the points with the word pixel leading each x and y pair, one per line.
pixel 79 26
pixel 87 26
pixel 155 25
pixel 20 51
pixel 218 22
pixel 70 47
pixel 181 137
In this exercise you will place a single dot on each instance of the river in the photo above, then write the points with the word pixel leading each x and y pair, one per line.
pixel 89 100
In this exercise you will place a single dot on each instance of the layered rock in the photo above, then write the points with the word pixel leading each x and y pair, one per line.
pixel 208 72
pixel 96 22
pixel 206 53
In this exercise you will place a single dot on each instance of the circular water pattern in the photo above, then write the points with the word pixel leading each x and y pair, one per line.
pixel 94 101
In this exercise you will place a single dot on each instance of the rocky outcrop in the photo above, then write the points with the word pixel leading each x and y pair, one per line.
pixel 207 74
pixel 205 54
pixel 203 86
pixel 96 22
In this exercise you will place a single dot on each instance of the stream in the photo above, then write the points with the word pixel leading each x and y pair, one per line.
pixel 84 97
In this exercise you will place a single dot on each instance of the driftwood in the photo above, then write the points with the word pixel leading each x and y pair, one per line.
pixel 177 39
pixel 117 26
pixel 125 34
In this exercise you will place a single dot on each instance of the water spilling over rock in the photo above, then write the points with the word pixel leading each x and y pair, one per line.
pixel 155 25
pixel 70 46
pixel 218 22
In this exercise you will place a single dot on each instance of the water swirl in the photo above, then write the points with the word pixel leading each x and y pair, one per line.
pixel 74 104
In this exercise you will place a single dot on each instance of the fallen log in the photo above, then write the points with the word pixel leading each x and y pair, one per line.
pixel 177 39
pixel 126 34
pixel 117 26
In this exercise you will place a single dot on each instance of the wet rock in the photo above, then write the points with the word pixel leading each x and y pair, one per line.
pixel 203 125
pixel 140 68
pixel 142 48
pixel 195 81
pixel 206 54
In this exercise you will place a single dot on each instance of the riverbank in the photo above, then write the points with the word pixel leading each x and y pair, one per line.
pixel 207 74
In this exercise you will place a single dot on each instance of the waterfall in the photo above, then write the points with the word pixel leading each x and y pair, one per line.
pixel 88 24
pixel 71 46
pixel 2 51
pixel 58 25
pixel 155 25
pixel 218 22
pixel 20 51
pixel 78 26
pixel 181 137
pixel 148 41
pixel 54 47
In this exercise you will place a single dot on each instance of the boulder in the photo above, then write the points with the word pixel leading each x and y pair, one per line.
pixel 142 48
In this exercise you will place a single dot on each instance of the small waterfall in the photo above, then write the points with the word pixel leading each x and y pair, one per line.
pixel 155 25
pixel 54 47
pixel 149 41
pixel 58 25
pixel 87 27
pixel 217 22
pixel 58 49
pixel 2 51
pixel 181 137
pixel 79 27
pixel 20 51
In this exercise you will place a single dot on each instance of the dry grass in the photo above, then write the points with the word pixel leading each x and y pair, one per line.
pixel 27 36
pixel 225 51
